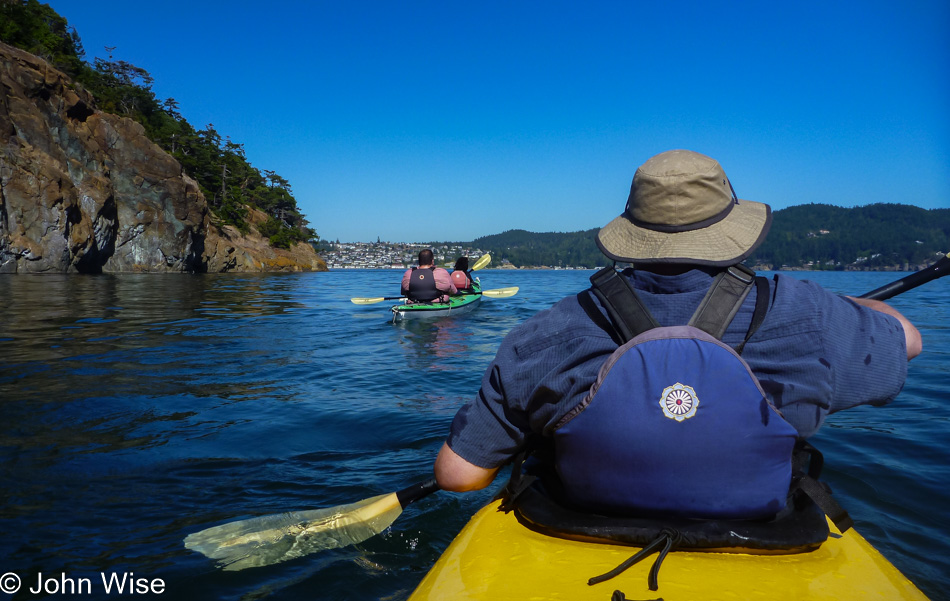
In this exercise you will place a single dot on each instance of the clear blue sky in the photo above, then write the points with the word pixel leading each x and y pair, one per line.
pixel 420 120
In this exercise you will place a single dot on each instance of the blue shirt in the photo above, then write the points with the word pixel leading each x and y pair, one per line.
pixel 814 354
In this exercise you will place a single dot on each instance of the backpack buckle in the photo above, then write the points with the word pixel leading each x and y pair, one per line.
pixel 738 271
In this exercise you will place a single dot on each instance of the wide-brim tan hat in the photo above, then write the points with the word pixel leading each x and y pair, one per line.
pixel 682 209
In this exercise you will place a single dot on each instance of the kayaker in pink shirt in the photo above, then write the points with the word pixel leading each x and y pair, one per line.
pixel 460 275
pixel 427 283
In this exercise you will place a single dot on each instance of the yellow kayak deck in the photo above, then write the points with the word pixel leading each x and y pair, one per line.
pixel 496 558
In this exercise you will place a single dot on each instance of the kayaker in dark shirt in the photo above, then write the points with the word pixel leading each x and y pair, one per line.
pixel 427 283
pixel 814 353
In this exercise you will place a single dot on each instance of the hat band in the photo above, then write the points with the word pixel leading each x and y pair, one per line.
pixel 687 227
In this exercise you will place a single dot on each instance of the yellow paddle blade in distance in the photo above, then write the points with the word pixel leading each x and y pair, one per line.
pixel 271 539
pixel 367 301
pixel 482 262
pixel 501 292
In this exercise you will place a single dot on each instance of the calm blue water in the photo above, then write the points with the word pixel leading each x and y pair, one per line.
pixel 137 409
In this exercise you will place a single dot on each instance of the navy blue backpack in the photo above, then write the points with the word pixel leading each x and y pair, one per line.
pixel 676 423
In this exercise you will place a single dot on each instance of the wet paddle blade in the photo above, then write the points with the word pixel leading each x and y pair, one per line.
pixel 482 262
pixel 271 539
pixel 501 292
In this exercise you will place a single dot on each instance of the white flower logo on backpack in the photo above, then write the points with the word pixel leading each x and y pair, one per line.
pixel 679 402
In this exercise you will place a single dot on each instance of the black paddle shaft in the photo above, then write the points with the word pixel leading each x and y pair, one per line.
pixel 416 492
pixel 937 270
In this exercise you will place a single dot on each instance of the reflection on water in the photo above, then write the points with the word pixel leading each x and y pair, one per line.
pixel 138 409
pixel 102 364
pixel 435 344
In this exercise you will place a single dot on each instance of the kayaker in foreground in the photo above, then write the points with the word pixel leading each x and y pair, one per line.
pixel 427 283
pixel 627 444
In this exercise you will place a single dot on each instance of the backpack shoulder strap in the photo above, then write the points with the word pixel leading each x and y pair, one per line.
pixel 718 308
pixel 762 294
pixel 590 307
pixel 624 307
pixel 720 305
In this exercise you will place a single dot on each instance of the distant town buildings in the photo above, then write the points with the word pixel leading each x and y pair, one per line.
pixel 392 255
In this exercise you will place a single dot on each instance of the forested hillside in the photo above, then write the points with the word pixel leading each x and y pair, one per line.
pixel 811 236
pixel 875 236
pixel 529 249
pixel 218 164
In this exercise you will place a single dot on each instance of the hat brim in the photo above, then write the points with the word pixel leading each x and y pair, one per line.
pixel 724 243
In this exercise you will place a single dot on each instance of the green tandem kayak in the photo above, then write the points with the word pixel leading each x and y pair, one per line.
pixel 461 303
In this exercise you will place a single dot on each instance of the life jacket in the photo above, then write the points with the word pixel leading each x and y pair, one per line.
pixel 676 422
pixel 422 286
pixel 461 279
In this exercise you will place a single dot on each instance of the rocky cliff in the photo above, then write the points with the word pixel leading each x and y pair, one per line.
pixel 84 191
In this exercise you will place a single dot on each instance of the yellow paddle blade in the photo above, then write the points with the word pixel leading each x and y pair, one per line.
pixel 271 539
pixel 482 262
pixel 501 292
